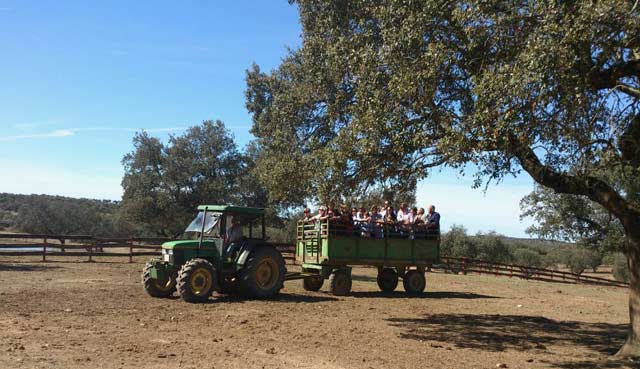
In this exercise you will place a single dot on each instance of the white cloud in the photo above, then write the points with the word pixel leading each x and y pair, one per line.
pixel 498 209
pixel 59 133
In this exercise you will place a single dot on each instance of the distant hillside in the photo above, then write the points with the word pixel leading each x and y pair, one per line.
pixel 536 242
pixel 62 215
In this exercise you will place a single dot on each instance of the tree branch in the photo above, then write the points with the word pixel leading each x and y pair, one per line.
pixel 592 187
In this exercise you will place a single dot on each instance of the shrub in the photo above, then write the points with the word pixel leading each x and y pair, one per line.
pixel 527 257
pixel 457 243
pixel 620 268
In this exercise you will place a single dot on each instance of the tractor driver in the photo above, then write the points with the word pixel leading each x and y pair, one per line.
pixel 233 237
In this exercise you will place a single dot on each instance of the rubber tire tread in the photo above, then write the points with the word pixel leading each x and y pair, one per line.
pixel 149 285
pixel 407 286
pixel 387 280
pixel 184 276
pixel 247 282
pixel 334 280
pixel 309 285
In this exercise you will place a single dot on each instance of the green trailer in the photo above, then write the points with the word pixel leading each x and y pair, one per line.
pixel 327 250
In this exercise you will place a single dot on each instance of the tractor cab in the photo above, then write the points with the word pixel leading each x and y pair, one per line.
pixel 224 249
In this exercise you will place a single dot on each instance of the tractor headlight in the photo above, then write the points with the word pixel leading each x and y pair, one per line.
pixel 166 255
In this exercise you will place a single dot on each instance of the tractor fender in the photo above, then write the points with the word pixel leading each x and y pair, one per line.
pixel 246 250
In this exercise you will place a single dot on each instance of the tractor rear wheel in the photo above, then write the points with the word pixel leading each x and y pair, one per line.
pixel 387 279
pixel 414 282
pixel 263 273
pixel 196 280
pixel 157 288
pixel 340 282
pixel 312 282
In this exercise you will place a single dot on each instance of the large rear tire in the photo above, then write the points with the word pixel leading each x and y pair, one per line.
pixel 312 283
pixel 414 282
pixel 154 287
pixel 387 279
pixel 196 280
pixel 340 282
pixel 263 273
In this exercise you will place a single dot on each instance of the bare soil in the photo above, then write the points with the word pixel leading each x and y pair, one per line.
pixel 96 315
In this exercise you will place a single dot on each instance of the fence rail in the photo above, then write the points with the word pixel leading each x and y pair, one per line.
pixel 91 247
pixel 466 265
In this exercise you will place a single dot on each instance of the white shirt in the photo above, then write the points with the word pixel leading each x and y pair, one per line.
pixel 234 233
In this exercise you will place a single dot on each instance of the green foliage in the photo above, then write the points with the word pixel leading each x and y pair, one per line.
pixel 492 247
pixel 457 243
pixel 380 92
pixel 620 268
pixel 164 183
pixel 573 218
pixel 64 215
pixel 528 257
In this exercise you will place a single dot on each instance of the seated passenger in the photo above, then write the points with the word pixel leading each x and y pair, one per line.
pixel 361 216
pixel 417 219
pixel 433 219
pixel 402 213
pixel 385 208
pixel 307 218
pixel 322 214
pixel 375 223
pixel 332 212
pixel 389 221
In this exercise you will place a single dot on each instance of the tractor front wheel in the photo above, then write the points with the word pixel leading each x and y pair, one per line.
pixel 340 282
pixel 414 282
pixel 387 279
pixel 312 283
pixel 263 274
pixel 157 288
pixel 196 280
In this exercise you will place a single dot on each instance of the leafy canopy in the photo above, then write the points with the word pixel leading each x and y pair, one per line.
pixel 381 91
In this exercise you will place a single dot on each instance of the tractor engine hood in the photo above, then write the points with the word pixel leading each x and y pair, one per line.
pixel 186 244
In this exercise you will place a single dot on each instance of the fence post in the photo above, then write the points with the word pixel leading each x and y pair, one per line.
pixel 130 251
pixel 90 252
pixel 44 251
pixel 62 248
pixel 464 266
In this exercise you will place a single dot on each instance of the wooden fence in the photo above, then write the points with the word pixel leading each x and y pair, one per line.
pixel 466 265
pixel 48 245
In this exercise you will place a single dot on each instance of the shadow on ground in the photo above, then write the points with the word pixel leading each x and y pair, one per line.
pixel 282 297
pixel 516 332
pixel 426 295
pixel 25 267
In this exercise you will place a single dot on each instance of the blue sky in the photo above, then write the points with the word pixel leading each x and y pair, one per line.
pixel 78 79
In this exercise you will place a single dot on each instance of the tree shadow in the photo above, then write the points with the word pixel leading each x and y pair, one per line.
pixel 282 297
pixel 425 295
pixel 25 267
pixel 514 332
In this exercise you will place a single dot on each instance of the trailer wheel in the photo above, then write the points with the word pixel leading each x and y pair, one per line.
pixel 387 279
pixel 414 282
pixel 312 283
pixel 156 288
pixel 196 280
pixel 263 273
pixel 340 282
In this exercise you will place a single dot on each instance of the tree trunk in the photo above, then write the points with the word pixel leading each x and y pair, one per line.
pixel 631 346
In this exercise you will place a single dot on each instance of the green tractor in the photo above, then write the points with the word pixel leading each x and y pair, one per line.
pixel 228 254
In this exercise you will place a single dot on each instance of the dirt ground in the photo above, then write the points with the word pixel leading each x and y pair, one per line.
pixel 95 315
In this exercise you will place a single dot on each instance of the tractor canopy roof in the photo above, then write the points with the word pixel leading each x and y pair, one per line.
pixel 232 209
